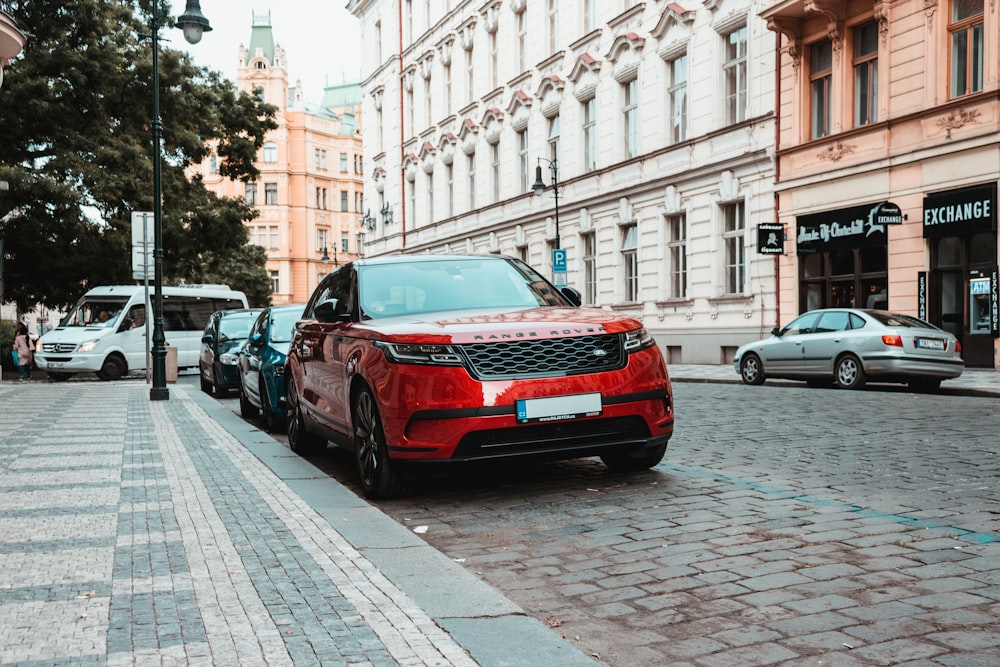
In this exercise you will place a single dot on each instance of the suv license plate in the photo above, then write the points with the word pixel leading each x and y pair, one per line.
pixel 558 407
pixel 931 343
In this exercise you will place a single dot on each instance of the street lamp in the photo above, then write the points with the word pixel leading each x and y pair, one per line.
pixel 539 188
pixel 194 23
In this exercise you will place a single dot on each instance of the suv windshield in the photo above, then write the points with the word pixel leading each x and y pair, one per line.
pixel 95 312
pixel 236 326
pixel 451 284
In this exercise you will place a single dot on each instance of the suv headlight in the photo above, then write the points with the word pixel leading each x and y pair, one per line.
pixel 88 346
pixel 638 339
pixel 229 359
pixel 420 353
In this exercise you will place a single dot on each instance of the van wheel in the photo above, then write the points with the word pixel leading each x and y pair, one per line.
pixel 113 368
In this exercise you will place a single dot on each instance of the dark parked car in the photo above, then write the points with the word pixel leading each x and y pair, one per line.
pixel 262 364
pixel 419 360
pixel 848 346
pixel 218 361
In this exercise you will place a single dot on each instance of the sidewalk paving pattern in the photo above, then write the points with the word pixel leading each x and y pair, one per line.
pixel 139 532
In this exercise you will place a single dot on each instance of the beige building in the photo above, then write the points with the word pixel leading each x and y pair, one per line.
pixel 655 119
pixel 888 160
pixel 309 192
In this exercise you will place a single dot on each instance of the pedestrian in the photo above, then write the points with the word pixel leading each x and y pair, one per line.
pixel 22 352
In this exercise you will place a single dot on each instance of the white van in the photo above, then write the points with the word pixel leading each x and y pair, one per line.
pixel 105 332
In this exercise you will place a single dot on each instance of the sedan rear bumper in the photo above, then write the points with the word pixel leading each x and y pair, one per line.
pixel 885 366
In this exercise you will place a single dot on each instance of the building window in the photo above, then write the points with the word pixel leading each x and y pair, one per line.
pixel 272 237
pixel 470 73
pixel 344 201
pixel 258 92
pixel 275 284
pixel 447 85
pixel 358 202
pixel 677 248
pixel 213 164
pixel 343 163
pixel 428 108
pixel 430 197
pixel 494 61
pixel 321 198
pixel 410 125
pixel 321 158
pixel 378 42
pixel 589 268
pixel 270 152
pixel 408 18
pixel 495 168
pixel 554 139
pixel 471 170
pixel 553 21
pixel 271 194
pixel 589 15
pixel 735 69
pixel 590 134
pixel 250 194
pixel 966 29
pixel 630 262
pixel 449 172
pixel 820 76
pixel 677 93
pixel 630 117
pixel 345 242
pixel 734 237
pixel 522 39
pixel 412 191
pixel 866 74
pixel 322 240
pixel 522 160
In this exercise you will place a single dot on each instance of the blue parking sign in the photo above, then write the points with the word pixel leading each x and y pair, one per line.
pixel 559 260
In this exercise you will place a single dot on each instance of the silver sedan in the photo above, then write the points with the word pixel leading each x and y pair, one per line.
pixel 848 346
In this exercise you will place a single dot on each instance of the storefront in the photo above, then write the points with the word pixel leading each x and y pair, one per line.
pixel 959 293
pixel 843 258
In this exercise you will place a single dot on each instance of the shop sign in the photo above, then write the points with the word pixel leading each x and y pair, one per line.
pixel 853 227
pixel 961 212
pixel 995 299
pixel 889 214
pixel 922 295
pixel 770 238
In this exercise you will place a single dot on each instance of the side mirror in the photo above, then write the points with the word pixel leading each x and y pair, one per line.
pixel 776 332
pixel 327 312
pixel 207 339
pixel 572 294
pixel 255 339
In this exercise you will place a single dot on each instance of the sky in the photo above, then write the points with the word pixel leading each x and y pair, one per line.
pixel 320 37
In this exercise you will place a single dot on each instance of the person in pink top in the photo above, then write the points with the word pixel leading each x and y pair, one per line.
pixel 22 352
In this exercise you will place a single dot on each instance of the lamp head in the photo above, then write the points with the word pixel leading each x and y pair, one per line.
pixel 539 186
pixel 193 22
pixel 326 255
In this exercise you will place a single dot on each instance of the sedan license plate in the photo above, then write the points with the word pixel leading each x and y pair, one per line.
pixel 931 344
pixel 558 407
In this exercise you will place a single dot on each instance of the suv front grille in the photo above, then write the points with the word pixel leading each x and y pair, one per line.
pixel 550 357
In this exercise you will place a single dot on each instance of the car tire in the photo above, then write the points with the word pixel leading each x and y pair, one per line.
pixel 752 370
pixel 113 368
pixel 379 479
pixel 924 385
pixel 849 372
pixel 247 409
pixel 300 440
pixel 272 423
pixel 218 389
pixel 206 386
pixel 627 462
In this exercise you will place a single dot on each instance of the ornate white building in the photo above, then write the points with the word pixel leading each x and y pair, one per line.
pixel 655 119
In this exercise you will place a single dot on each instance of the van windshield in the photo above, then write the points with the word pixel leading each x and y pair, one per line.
pixel 100 311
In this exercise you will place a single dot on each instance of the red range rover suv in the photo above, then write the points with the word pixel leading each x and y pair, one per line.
pixel 415 359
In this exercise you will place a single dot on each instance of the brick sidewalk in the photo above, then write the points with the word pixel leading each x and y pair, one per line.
pixel 147 532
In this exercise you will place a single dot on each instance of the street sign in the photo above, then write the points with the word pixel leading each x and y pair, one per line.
pixel 559 260
pixel 142 248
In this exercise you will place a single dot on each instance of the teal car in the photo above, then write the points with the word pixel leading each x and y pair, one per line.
pixel 262 365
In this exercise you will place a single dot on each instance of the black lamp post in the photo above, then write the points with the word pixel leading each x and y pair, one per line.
pixel 194 23
pixel 539 188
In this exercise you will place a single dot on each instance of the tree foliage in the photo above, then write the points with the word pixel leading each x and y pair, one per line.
pixel 77 152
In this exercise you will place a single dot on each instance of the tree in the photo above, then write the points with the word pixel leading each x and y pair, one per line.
pixel 76 150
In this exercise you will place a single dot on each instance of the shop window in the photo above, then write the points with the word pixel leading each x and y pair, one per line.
pixel 842 262
pixel 812 265
pixel 982 249
pixel 949 251
pixel 874 259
